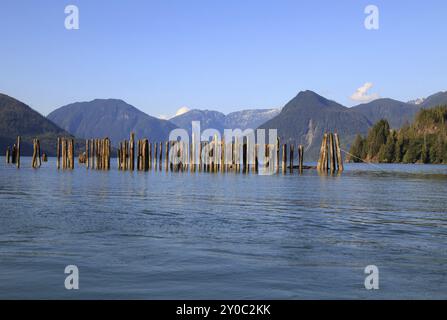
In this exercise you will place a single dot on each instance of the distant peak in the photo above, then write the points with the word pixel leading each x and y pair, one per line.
pixel 308 93
pixel 109 100
pixel 417 101
pixel 181 111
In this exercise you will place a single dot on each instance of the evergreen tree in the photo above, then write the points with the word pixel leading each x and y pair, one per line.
pixel 358 149
pixel 377 137
pixel 387 151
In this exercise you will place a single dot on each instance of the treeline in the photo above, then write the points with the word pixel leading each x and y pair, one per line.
pixel 424 141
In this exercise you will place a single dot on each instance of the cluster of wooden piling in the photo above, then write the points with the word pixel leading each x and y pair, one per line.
pixel 65 152
pixel 213 156
pixel 330 154
pixel 37 161
pixel 126 154
pixel 144 155
pixel 13 154
pixel 97 154
pixel 291 153
pixel 179 156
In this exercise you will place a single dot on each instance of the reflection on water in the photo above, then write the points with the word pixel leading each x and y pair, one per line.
pixel 180 235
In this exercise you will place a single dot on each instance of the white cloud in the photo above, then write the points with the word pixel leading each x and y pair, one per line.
pixel 361 94
pixel 163 117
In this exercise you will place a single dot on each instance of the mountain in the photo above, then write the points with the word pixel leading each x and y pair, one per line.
pixel 417 101
pixel 246 119
pixel 236 120
pixel 396 112
pixel 434 100
pixel 109 118
pixel 305 118
pixel 16 118
pixel 207 118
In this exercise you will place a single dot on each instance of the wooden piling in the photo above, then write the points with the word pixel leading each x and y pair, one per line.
pixel 331 152
pixel 18 152
pixel 301 158
pixel 63 153
pixel 292 147
pixel 222 155
pixel 160 160
pixel 166 156
pixel 277 155
pixel 320 158
pixel 150 155
pixel 72 153
pixel 36 161
pixel 132 152
pixel 284 158
pixel 8 155
pixel 87 164
pixel 267 156
pixel 324 157
pixel 58 153
pixel 244 157
pixel 256 158
pixel 147 155
pixel 92 153
pixel 155 155
pixel 339 157
pixel 33 161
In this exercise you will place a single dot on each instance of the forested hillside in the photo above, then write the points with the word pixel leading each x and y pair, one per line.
pixel 424 141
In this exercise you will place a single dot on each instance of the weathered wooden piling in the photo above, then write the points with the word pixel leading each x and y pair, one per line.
pixel 139 155
pixel 166 156
pixel 160 162
pixel 339 157
pixel 155 155
pixel 92 154
pixel 87 164
pixel 151 155
pixel 291 157
pixel 332 152
pixel 18 152
pixel 222 155
pixel 8 155
pixel 267 156
pixel 284 158
pixel 277 155
pixel 256 158
pixel 322 161
pixel 71 154
pixel 63 157
pixel 119 155
pixel 244 157
pixel 58 153
pixel 33 161
pixel 132 152
pixel 301 158
pixel 36 160
pixel 145 154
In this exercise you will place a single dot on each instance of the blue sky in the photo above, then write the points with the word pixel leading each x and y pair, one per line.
pixel 224 55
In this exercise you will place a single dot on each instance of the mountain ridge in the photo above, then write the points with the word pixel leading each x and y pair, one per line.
pixel 17 118
pixel 113 118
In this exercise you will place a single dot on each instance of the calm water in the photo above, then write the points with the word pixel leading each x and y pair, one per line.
pixel 158 235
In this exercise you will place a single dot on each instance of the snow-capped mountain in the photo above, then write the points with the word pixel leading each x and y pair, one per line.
pixel 417 101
